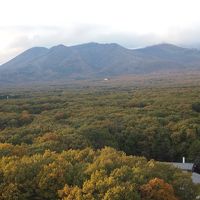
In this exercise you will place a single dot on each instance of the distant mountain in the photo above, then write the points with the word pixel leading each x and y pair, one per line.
pixel 94 60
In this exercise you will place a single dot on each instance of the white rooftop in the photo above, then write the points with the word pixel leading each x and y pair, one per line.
pixel 188 167
pixel 183 166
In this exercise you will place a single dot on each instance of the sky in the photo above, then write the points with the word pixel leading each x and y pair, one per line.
pixel 130 23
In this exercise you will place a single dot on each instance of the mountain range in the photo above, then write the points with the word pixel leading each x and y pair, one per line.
pixel 94 60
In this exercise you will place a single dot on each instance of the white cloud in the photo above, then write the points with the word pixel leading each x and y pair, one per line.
pixel 27 23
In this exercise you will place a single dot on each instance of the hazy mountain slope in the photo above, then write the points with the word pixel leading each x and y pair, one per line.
pixel 54 63
pixel 59 61
pixel 25 58
pixel 171 53
pixel 96 60
pixel 107 59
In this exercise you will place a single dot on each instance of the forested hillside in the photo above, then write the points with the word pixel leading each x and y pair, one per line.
pixel 159 123
pixel 91 175
pixel 53 142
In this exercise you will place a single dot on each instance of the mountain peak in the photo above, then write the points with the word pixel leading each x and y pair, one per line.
pixel 97 60
pixel 60 46
pixel 164 46
pixel 95 44
pixel 164 49
pixel 34 50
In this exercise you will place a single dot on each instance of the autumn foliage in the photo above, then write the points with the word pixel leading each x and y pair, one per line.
pixel 157 189
pixel 98 143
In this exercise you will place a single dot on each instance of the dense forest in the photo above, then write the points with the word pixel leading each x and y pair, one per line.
pixel 98 142
pixel 91 175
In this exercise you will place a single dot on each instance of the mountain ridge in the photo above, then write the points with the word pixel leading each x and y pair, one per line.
pixel 96 60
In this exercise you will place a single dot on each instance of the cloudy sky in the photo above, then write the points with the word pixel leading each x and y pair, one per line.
pixel 131 23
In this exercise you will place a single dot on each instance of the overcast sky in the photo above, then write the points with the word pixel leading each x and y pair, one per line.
pixel 131 23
